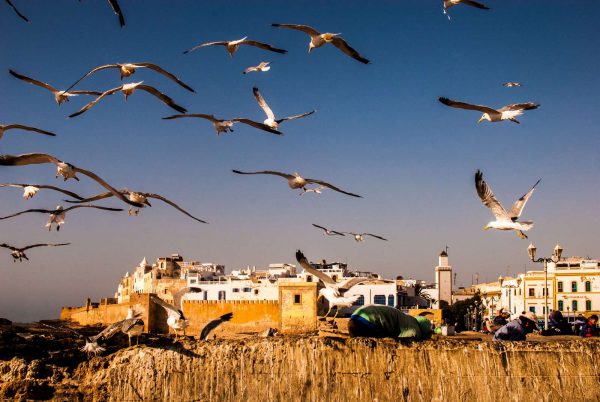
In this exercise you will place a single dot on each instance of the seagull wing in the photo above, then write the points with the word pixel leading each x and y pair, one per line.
pixel 107 186
pixel 178 296
pixel 263 104
pixel 331 186
pixel 166 100
pixel 167 74
pixel 43 211
pixel 304 28
pixel 108 332
pixel 199 115
pixel 258 125
pixel 346 48
pixel 347 284
pixel 320 227
pixel 17 11
pixel 475 4
pixel 488 198
pixel 32 81
pixel 372 235
pixel 295 117
pixel 23 185
pixel 171 203
pixel 325 229
pixel 91 199
pixel 115 6
pixel 92 103
pixel 9 247
pixel 284 175
pixel 28 128
pixel 44 245
pixel 220 43
pixel 462 105
pixel 171 310
pixel 518 206
pixel 520 106
pixel 104 67
pixel 91 206
pixel 27 159
pixel 265 46
pixel 96 93
pixel 312 270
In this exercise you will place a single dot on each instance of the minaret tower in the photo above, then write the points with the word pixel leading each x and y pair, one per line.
pixel 443 278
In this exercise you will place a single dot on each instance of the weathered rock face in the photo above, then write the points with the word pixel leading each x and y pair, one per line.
pixel 316 369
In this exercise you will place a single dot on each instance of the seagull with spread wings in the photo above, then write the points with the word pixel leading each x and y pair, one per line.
pixel 127 90
pixel 233 45
pixel 328 232
pixel 225 126
pixel 263 67
pixel 59 96
pixel 29 190
pixel 17 11
pixel 57 216
pixel 318 39
pixel 504 220
pixel 5 127
pixel 295 181
pixel 138 198
pixel 333 291
pixel 65 169
pixel 451 3
pixel 508 112
pixel 128 69
pixel 358 237
pixel 512 84
pixel 19 253
pixel 175 317
pixel 271 121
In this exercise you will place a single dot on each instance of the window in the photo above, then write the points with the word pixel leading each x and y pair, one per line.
pixel 235 290
pixel 574 305
pixel 255 291
pixel 573 286
pixel 192 281
pixel 543 309
pixel 360 301
pixel 560 287
pixel 561 305
pixel 379 299
pixel 588 286
pixel 588 305
pixel 519 291
pixel 247 290
pixel 391 301
pixel 221 295
pixel 531 292
pixel 297 299
pixel 308 278
pixel 334 277
pixel 532 309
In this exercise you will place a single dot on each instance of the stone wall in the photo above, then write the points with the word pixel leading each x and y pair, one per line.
pixel 298 307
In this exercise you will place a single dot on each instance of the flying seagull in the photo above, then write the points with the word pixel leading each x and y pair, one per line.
pixel 138 198
pixel 270 120
pixel 508 112
pixel 472 3
pixel 360 236
pixel 127 90
pixel 504 220
pixel 59 96
pixel 512 84
pixel 128 69
pixel 208 328
pixel 117 10
pixel 57 216
pixel 333 291
pixel 225 126
pixel 65 169
pixel 5 127
pixel 29 190
pixel 175 318
pixel 318 39
pixel 233 46
pixel 19 253
pixel 263 66
pixel 329 232
pixel 17 11
pixel 296 181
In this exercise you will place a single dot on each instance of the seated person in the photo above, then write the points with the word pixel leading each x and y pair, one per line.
pixel 557 325
pixel 590 328
pixel 378 321
pixel 499 321
pixel 516 330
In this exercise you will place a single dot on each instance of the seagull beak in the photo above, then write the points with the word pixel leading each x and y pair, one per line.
pixel 486 227
pixel 480 120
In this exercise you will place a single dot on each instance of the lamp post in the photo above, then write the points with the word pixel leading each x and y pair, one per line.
pixel 556 254
pixel 510 287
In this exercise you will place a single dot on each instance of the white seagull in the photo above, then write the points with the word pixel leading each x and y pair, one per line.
pixel 318 39
pixel 5 127
pixel 508 112
pixel 58 215
pixel 127 90
pixel 128 69
pixel 295 181
pixel 271 121
pixel 504 220
pixel 451 3
pixel 29 190
pixel 263 66
pixel 233 45
pixel 225 126
pixel 512 84
pixel 132 325
pixel 360 236
pixel 328 232
pixel 175 318
pixel 65 169
pixel 59 96
pixel 333 292
pixel 19 253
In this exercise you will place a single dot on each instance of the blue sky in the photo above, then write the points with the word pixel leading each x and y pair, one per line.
pixel 379 131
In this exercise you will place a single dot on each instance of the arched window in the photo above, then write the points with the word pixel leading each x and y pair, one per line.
pixel 588 305
pixel 308 278
pixel 360 301
pixel 574 305
pixel 561 305
pixel 573 286
pixel 222 295
pixel 391 300
pixel 334 277
pixel 588 286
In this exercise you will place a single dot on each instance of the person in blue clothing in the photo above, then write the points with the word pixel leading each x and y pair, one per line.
pixel 378 321
pixel 590 328
pixel 557 325
pixel 516 330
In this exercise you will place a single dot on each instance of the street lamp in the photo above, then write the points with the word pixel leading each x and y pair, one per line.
pixel 510 287
pixel 556 254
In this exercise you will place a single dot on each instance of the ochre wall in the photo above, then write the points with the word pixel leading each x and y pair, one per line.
pixel 298 317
